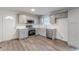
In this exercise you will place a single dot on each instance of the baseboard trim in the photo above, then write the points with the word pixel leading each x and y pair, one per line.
pixel 73 46
pixel 9 40
pixel 62 41
pixel 67 44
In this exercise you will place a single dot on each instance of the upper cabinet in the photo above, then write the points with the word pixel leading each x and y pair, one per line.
pixel 61 15
pixel 54 17
pixel 23 18
pixel 73 15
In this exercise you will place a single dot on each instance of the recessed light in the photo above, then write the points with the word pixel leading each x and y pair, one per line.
pixel 32 9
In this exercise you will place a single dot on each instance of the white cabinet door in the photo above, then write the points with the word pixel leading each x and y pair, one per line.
pixel 62 29
pixel 23 33
pixel 42 31
pixel 73 16
pixel 37 31
pixel 1 28
pixel 73 34
pixel 22 19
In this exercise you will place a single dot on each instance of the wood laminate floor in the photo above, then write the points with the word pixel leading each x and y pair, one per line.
pixel 35 43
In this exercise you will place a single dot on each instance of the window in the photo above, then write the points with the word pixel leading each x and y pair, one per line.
pixel 46 20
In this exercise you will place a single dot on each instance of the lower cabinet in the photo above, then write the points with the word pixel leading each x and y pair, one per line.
pixel 51 33
pixel 41 31
pixel 23 33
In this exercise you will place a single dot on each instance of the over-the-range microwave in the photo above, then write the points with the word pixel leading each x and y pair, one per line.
pixel 30 21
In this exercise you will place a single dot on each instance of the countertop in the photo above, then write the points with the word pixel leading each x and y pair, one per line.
pixel 37 26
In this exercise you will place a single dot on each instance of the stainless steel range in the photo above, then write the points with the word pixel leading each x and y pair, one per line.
pixel 31 30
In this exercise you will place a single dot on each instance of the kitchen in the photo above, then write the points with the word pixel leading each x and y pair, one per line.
pixel 30 25
pixel 17 24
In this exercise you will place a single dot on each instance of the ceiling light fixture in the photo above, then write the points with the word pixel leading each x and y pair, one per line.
pixel 32 9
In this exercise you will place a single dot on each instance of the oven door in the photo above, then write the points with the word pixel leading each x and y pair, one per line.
pixel 31 32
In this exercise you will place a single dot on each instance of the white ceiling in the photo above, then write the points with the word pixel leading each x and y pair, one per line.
pixel 39 10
